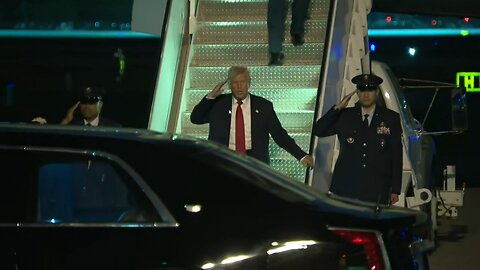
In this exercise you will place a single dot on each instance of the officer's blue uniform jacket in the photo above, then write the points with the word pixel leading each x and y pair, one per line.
pixel 369 165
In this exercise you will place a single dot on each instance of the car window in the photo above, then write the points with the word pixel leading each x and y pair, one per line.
pixel 59 187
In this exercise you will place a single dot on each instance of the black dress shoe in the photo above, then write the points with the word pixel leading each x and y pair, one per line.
pixel 276 59
pixel 297 39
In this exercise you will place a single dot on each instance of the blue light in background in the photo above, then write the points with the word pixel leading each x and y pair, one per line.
pixel 373 47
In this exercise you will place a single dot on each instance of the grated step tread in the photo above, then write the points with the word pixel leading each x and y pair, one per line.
pixel 256 10
pixel 283 99
pixel 292 121
pixel 277 77
pixel 254 54
pixel 252 32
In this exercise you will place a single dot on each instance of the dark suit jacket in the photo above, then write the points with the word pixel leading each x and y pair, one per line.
pixel 103 122
pixel 217 112
pixel 369 165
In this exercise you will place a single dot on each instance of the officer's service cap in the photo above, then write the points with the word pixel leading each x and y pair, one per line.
pixel 366 82
pixel 91 95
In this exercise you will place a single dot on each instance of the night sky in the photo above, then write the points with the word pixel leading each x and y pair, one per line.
pixel 438 59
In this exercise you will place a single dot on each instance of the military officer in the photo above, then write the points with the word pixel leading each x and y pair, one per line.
pixel 369 165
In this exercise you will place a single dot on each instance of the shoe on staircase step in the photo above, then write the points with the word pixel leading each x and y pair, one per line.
pixel 276 59
pixel 297 39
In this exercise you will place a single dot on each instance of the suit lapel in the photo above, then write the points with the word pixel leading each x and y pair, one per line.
pixel 227 105
pixel 377 117
pixel 226 113
pixel 358 118
pixel 253 113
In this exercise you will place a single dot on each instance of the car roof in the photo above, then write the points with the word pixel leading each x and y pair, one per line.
pixel 100 131
pixel 9 134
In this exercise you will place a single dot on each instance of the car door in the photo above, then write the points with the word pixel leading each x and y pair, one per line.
pixel 86 210
pixel 240 219
pixel 10 208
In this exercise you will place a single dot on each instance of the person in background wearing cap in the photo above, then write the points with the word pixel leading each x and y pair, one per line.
pixel 90 106
pixel 369 165
pixel 86 111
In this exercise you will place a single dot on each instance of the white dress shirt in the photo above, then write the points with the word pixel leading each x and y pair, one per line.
pixel 94 122
pixel 370 114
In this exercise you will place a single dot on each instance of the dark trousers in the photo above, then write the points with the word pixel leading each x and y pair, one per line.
pixel 277 14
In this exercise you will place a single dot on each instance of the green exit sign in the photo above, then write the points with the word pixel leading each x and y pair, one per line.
pixel 469 80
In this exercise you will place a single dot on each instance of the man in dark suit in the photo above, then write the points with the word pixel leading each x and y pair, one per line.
pixel 243 121
pixel 369 165
pixel 277 14
pixel 87 110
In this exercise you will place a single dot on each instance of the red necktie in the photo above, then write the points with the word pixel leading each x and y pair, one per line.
pixel 239 130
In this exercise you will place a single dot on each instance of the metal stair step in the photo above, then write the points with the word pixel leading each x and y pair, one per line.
pixel 282 161
pixel 262 76
pixel 292 121
pixel 302 139
pixel 202 130
pixel 252 32
pixel 254 54
pixel 283 99
pixel 252 10
pixel 290 167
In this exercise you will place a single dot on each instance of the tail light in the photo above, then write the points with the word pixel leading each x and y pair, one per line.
pixel 372 245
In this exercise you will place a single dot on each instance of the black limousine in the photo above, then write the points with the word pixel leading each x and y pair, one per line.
pixel 105 198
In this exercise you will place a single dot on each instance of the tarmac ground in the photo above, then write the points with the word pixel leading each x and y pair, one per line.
pixel 458 239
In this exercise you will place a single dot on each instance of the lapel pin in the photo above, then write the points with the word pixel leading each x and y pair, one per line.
pixel 229 112
pixel 350 140
pixel 256 111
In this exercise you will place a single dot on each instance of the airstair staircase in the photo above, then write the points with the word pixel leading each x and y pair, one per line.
pixel 234 32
